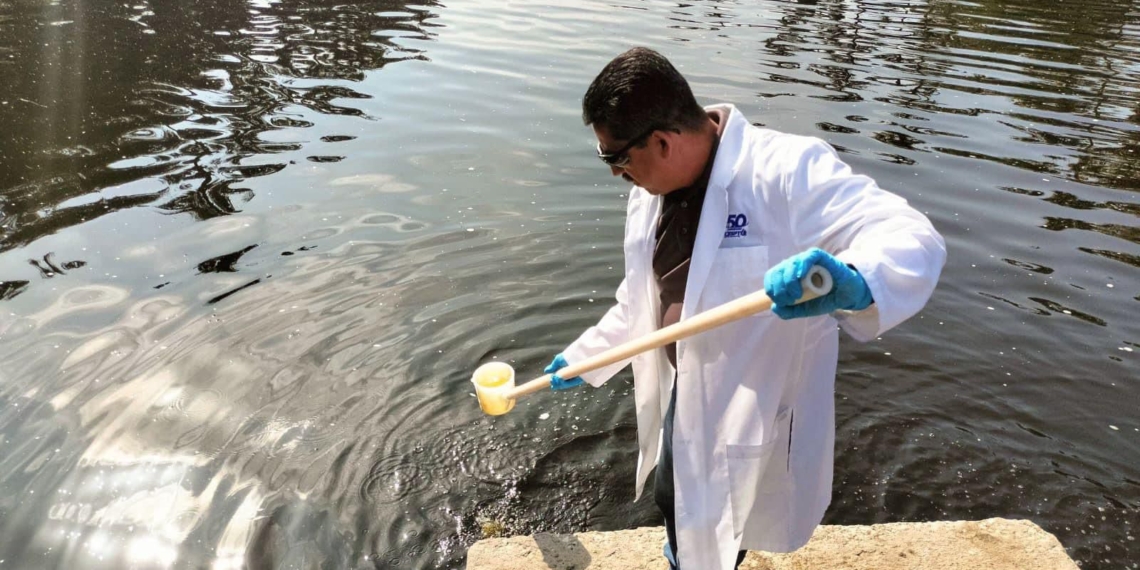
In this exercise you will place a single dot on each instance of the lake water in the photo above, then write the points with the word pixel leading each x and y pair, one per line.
pixel 250 253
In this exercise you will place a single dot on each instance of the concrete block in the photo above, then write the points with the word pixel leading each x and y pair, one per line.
pixel 991 544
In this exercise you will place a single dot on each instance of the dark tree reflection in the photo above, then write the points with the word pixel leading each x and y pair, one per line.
pixel 112 106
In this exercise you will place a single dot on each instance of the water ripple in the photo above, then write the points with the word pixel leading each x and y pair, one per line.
pixel 247 266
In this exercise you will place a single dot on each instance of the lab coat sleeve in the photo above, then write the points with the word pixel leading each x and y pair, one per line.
pixel 611 330
pixel 892 245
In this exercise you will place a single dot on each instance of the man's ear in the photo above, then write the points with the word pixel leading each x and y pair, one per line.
pixel 663 144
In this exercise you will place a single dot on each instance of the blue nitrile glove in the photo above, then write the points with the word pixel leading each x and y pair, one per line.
pixel 556 382
pixel 782 284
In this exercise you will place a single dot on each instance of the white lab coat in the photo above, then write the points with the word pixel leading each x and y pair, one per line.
pixel 754 428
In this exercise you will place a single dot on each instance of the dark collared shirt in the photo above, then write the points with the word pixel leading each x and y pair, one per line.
pixel 676 236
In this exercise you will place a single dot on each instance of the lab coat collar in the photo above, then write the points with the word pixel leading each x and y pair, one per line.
pixel 728 155
pixel 710 229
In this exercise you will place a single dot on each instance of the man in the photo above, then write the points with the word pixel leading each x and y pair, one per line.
pixel 739 421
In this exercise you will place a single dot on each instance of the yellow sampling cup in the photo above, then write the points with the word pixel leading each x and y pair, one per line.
pixel 493 381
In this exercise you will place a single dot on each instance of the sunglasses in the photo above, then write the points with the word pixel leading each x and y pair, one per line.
pixel 620 158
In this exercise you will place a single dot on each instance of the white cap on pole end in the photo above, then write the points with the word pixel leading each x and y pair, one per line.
pixel 817 282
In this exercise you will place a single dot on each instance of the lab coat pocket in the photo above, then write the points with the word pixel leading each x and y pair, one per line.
pixel 759 480
pixel 736 272
pixel 745 468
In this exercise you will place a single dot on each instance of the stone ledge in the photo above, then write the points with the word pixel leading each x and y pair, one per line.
pixel 991 544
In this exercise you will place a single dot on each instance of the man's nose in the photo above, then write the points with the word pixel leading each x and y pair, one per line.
pixel 616 170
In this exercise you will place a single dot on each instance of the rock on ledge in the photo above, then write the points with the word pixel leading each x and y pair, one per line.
pixel 991 544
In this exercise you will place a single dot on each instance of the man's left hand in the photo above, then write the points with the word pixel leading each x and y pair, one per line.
pixel 556 381
pixel 782 284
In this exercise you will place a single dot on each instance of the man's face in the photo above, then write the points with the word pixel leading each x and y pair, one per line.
pixel 638 162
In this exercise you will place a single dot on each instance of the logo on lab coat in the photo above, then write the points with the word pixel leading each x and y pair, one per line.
pixel 737 226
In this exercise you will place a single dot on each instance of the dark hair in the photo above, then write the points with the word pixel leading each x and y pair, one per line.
pixel 639 90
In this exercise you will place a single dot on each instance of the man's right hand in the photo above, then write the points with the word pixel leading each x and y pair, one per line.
pixel 556 381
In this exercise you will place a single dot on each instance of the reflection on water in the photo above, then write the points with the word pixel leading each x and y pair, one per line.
pixel 157 116
pixel 250 253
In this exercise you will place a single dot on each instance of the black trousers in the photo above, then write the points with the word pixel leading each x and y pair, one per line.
pixel 663 492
